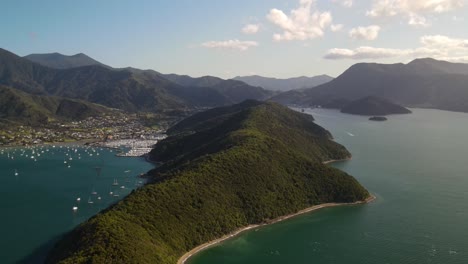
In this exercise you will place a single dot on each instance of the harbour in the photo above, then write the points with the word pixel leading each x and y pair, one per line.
pixel 47 190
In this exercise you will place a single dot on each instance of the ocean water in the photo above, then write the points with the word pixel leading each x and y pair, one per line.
pixel 37 204
pixel 416 165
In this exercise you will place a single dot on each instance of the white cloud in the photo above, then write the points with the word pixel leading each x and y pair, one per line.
pixel 336 28
pixel 304 23
pixel 363 53
pixel 413 10
pixel 366 33
pixel 436 46
pixel 251 29
pixel 230 44
pixel 418 21
pixel 347 3
pixel 441 42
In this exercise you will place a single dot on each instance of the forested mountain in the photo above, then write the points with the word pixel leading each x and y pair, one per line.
pixel 223 169
pixel 276 84
pixel 421 83
pixel 127 89
pixel 23 108
pixel 60 61
pixel 235 91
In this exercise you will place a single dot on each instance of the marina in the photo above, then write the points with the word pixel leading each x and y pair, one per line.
pixel 59 186
pixel 133 147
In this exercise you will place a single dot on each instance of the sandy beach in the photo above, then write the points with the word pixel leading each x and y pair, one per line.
pixel 194 251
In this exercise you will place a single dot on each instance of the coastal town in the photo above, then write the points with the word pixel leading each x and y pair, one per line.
pixel 115 131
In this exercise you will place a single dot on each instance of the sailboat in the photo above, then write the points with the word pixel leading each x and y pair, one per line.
pixel 116 183
pixel 98 171
pixel 90 201
pixel 16 173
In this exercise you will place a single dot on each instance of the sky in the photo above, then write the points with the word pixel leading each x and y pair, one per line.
pixel 274 38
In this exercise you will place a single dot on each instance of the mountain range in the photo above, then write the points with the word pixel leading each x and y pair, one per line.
pixel 59 61
pixel 425 83
pixel 282 85
pixel 126 89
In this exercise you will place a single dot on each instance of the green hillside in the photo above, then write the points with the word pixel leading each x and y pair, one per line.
pixel 251 162
pixel 23 108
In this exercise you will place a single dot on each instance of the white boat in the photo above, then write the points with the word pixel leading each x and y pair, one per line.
pixel 78 199
pixel 16 173
pixel 90 201
pixel 75 208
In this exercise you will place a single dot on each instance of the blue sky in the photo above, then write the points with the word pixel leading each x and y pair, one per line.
pixel 276 38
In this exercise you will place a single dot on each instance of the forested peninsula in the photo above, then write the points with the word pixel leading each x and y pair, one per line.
pixel 222 169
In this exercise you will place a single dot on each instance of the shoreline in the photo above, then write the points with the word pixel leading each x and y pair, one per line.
pixel 204 246
pixel 337 160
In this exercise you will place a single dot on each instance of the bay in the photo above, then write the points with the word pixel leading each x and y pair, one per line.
pixel 37 204
pixel 416 165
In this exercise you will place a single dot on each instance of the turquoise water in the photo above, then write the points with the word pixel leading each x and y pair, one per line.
pixel 36 205
pixel 416 165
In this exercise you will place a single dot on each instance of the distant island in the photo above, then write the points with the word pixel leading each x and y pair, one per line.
pixel 378 118
pixel 223 170
pixel 374 106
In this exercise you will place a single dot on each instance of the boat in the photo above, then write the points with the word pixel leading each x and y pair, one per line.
pixel 16 173
pixel 78 199
pixel 115 183
pixel 90 201
pixel 75 208
pixel 122 187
